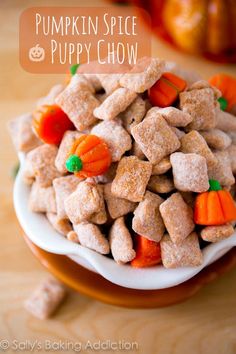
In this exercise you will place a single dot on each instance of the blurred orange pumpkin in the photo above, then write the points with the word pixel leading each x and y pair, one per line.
pixel 206 27
pixel 202 25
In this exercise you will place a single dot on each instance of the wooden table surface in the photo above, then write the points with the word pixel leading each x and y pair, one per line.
pixel 203 324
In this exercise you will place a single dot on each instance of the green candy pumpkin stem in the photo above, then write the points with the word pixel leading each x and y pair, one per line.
pixel 214 185
pixel 74 163
pixel 73 69
pixel 223 103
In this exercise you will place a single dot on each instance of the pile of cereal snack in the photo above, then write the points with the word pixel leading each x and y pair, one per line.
pixel 137 166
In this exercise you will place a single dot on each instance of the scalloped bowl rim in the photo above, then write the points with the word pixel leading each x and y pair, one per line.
pixel 40 232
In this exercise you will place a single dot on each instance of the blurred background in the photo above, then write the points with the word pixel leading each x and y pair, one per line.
pixel 197 34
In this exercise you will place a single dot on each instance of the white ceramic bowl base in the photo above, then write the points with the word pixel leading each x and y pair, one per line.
pixel 41 233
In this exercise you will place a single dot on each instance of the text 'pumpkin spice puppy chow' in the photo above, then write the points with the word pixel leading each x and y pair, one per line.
pixel 155 137
pixel 131 178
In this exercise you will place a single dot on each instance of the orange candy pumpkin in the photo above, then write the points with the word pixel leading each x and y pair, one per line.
pixel 227 85
pixel 89 156
pixel 166 90
pixel 215 207
pixel 148 253
pixel 50 123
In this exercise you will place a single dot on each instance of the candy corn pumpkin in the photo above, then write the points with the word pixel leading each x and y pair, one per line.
pixel 166 90
pixel 227 85
pixel 148 253
pixel 214 207
pixel 89 156
pixel 50 123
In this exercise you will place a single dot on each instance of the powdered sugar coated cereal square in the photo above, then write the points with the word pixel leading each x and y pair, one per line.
pixel 190 172
pixel 41 163
pixel 46 298
pixel 134 113
pixel 177 217
pixel 155 137
pixel 217 139
pixel 116 137
pixel 100 217
pixel 63 187
pixel 117 102
pixel 175 117
pixel 110 82
pixel 117 206
pixel 143 75
pixel 147 220
pixel 201 105
pixel 51 96
pixel 161 184
pixel 222 171
pixel 22 134
pixel 161 167
pixel 79 106
pixel 193 142
pixel 185 254
pixel 131 178
pixel 90 236
pixel 63 226
pixel 42 199
pixel 217 233
pixel 121 242
pixel 84 202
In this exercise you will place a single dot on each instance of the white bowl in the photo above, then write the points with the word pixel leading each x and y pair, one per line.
pixel 40 232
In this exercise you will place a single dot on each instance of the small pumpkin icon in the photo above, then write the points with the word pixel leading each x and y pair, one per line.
pixel 36 53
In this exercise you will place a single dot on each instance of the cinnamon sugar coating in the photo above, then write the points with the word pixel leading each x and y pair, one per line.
pixel 147 220
pixel 185 254
pixel 155 137
pixel 131 178
pixel 190 172
pixel 121 242
pixel 177 217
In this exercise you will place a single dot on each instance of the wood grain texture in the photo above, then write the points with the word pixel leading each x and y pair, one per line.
pixel 205 324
